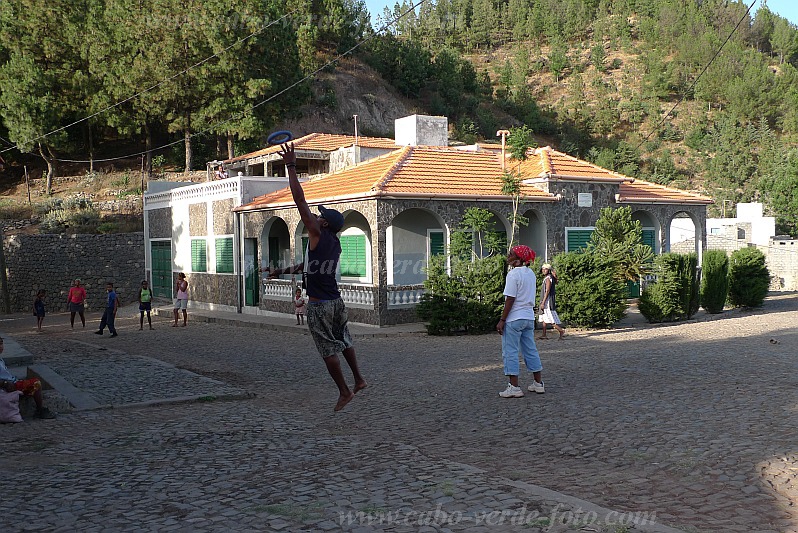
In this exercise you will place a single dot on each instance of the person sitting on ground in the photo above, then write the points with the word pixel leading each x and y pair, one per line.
pixel 25 387
pixel 548 306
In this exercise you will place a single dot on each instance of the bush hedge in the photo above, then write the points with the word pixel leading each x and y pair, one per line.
pixel 714 280
pixel 589 293
pixel 675 295
pixel 748 278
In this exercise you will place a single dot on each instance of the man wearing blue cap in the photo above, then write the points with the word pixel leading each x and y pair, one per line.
pixel 326 313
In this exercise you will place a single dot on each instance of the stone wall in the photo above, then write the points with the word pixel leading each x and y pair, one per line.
pixel 782 261
pixel 52 262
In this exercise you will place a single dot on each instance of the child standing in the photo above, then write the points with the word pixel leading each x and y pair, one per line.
pixel 38 308
pixel 299 305
pixel 145 304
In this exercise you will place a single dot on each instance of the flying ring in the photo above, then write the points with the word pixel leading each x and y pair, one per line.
pixel 280 137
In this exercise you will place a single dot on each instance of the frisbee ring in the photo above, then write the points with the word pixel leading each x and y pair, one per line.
pixel 280 137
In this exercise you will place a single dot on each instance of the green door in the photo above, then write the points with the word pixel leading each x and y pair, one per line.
pixel 161 269
pixel 251 275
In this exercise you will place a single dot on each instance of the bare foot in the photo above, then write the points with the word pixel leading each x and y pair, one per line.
pixel 561 336
pixel 343 400
pixel 359 387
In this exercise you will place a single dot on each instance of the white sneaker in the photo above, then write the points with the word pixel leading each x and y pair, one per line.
pixel 537 387
pixel 512 392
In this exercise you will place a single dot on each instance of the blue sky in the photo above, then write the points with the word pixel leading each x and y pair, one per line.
pixel 786 8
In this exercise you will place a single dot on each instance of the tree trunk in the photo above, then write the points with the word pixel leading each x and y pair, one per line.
pixel 231 151
pixel 3 277
pixel 218 146
pixel 50 160
pixel 187 136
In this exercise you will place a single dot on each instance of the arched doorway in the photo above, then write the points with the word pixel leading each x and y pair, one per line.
pixel 685 235
pixel 412 239
pixel 534 233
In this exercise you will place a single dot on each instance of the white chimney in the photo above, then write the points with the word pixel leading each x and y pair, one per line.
pixel 422 130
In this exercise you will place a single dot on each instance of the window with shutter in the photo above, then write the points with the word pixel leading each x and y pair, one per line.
pixel 353 256
pixel 224 255
pixel 436 244
pixel 577 239
pixel 199 255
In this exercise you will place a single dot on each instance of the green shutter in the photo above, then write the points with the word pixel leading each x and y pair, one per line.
pixel 578 239
pixel 305 241
pixel 353 255
pixel 436 244
pixel 199 255
pixel 224 255
pixel 649 238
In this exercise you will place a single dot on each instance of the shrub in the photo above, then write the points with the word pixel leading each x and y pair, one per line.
pixel 714 280
pixel 675 295
pixel 589 293
pixel 748 278
pixel 470 300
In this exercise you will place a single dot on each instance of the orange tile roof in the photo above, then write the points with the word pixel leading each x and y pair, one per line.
pixel 547 163
pixel 418 172
pixel 640 191
pixel 324 142
pixel 439 172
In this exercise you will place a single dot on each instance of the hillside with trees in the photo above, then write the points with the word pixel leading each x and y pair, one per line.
pixel 693 94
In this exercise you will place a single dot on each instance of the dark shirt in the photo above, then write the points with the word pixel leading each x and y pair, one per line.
pixel 111 299
pixel 321 267
pixel 552 292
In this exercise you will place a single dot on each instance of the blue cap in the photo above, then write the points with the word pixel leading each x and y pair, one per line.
pixel 335 219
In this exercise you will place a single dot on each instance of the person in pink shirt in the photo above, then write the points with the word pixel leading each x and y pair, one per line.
pixel 181 298
pixel 76 302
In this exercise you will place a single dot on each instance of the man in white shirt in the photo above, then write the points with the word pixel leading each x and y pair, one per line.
pixel 517 324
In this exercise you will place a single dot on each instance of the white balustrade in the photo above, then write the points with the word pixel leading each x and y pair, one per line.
pixel 358 296
pixel 405 296
pixel 277 289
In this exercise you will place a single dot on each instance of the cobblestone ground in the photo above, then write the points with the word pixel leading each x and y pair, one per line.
pixel 694 422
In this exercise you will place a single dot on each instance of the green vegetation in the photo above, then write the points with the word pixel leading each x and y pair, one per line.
pixel 620 239
pixel 675 295
pixel 589 292
pixel 714 280
pixel 748 278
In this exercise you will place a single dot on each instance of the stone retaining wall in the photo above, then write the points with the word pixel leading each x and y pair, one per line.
pixel 52 262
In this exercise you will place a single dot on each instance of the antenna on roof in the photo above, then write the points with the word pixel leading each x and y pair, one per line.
pixel 355 117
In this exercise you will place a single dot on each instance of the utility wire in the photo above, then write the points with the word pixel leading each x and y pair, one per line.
pixel 170 78
pixel 689 90
pixel 213 127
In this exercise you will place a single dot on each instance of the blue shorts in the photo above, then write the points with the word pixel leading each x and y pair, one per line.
pixel 519 337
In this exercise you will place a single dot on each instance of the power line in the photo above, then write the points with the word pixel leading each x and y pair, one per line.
pixel 184 71
pixel 684 95
pixel 210 129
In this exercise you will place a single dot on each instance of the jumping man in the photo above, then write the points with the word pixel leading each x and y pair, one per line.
pixel 326 313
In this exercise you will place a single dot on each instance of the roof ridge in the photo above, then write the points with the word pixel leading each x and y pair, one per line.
pixel 665 187
pixel 545 158
pixel 404 153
